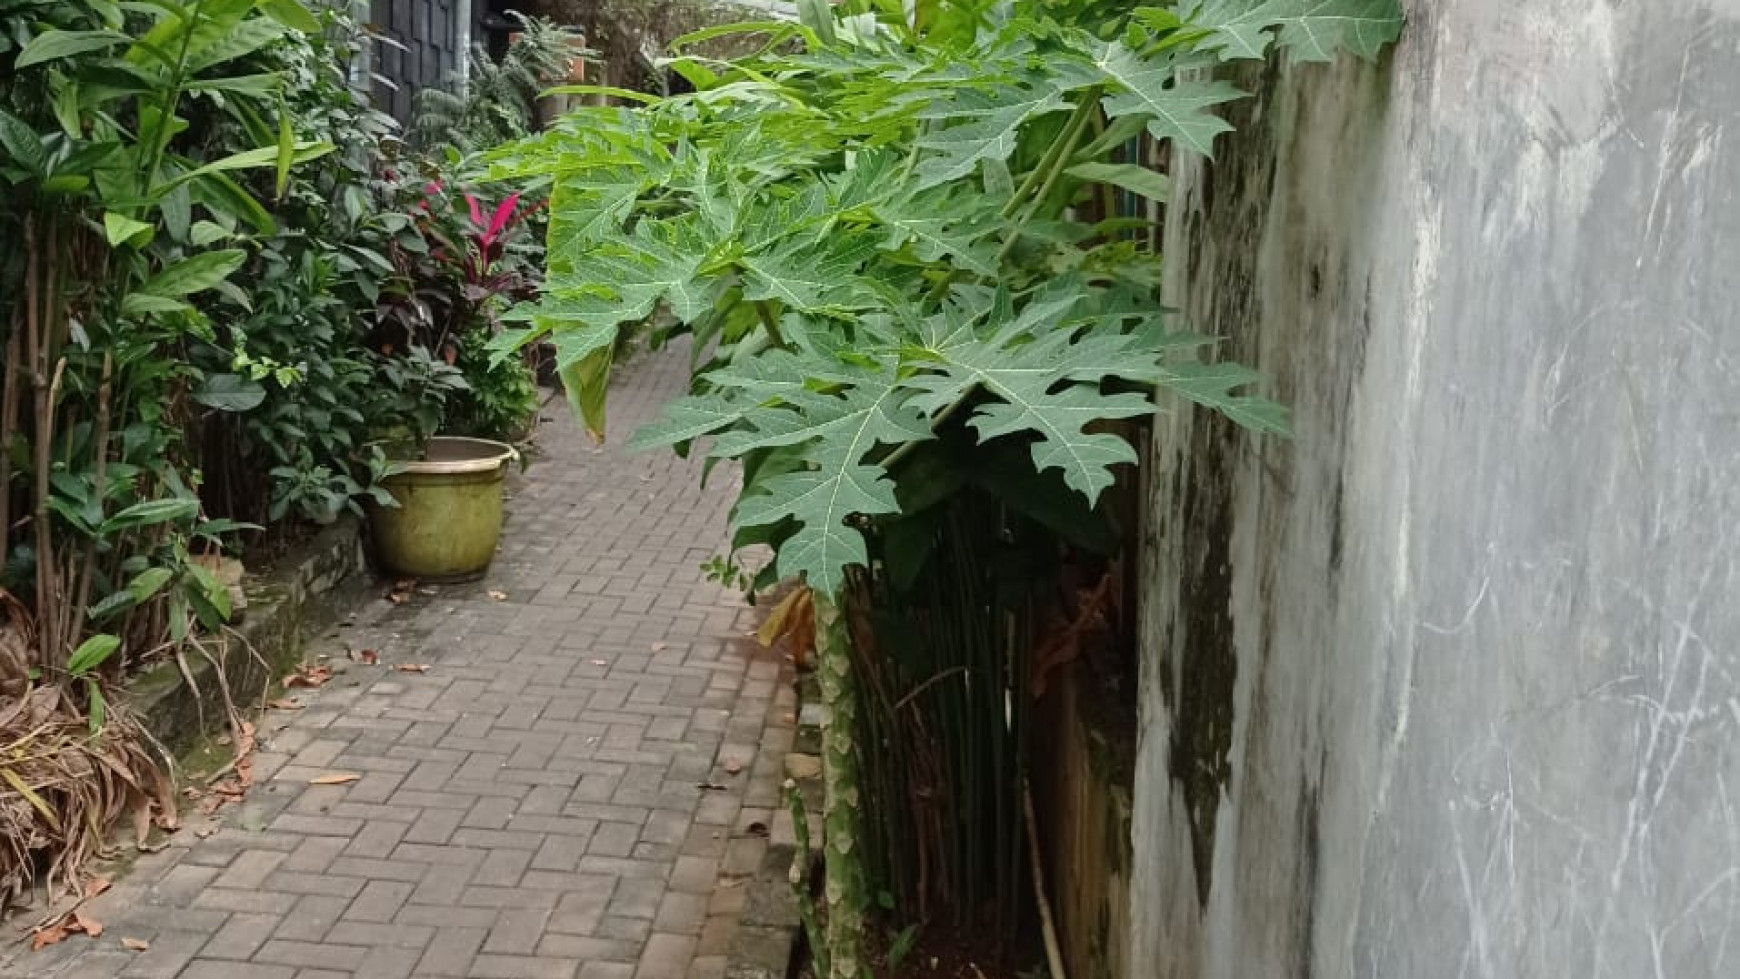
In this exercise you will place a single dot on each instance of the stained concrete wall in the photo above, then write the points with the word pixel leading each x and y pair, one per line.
pixel 1449 685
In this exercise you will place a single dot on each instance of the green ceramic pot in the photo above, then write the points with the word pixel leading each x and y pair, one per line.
pixel 448 520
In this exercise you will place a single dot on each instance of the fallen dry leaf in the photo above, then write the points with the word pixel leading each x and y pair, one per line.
pixel 733 766
pixel 498 594
pixel 87 924
pixel 310 675
pixel 336 778
pixel 283 703
pixel 48 935
pixel 368 657
pixel 135 944
pixel 412 667
pixel 95 886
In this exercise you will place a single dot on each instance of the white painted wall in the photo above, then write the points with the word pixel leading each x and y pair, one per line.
pixel 1449 685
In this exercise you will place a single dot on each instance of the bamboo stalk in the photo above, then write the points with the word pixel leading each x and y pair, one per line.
pixel 101 447
pixel 1053 955
pixel 8 426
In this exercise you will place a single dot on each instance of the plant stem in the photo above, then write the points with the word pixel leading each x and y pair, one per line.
pixel 847 890
pixel 801 870
pixel 1072 133
pixel 770 323
pixel 172 98
pixel 105 395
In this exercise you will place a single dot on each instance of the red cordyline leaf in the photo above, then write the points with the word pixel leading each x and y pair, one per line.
pixel 432 188
pixel 476 211
pixel 504 213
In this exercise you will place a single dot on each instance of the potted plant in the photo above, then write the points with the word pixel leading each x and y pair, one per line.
pixel 453 270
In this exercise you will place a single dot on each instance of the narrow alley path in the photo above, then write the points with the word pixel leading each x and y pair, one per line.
pixel 568 791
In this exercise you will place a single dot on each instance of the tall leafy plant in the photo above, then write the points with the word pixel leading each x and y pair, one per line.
pixel 124 221
pixel 868 233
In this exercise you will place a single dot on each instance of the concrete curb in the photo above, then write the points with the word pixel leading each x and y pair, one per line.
pixel 300 594
pixel 769 942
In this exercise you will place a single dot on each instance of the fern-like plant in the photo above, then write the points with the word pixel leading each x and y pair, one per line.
pixel 497 101
pixel 867 231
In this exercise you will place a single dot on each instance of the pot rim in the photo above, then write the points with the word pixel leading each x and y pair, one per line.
pixel 491 455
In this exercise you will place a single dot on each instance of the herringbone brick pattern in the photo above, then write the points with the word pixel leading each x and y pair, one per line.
pixel 569 790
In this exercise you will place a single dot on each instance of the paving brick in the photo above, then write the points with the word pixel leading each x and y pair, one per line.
pixel 666 957
pixel 523 811
pixel 379 900
pixel 241 936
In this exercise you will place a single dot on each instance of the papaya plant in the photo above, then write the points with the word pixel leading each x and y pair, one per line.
pixel 869 231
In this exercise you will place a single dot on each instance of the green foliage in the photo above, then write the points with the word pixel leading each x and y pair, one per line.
pixel 868 235
pixel 498 99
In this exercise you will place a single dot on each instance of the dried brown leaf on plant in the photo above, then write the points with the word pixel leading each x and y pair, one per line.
pixel 794 620
pixel 1096 609
pixel 62 788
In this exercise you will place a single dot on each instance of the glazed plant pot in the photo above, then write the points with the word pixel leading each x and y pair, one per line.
pixel 448 520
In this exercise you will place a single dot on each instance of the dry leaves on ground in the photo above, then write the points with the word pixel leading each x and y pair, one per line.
pixel 283 703
pixel 309 675
pixel 367 657
pixel 412 667
pixel 135 944
pixel 498 594
pixel 335 778
pixel 73 921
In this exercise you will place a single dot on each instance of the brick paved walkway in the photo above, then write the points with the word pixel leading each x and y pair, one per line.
pixel 529 807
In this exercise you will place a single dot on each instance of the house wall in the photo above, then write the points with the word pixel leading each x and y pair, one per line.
pixel 1449 684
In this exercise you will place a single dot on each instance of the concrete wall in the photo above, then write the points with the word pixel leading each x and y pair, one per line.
pixel 1449 685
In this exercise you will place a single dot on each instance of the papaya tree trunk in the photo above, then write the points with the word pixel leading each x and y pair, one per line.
pixel 847 889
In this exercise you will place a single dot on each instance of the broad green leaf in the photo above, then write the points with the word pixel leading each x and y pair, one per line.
pixel 941 225
pixel 1310 30
pixel 23 144
pixel 286 144
pixel 843 431
pixel 264 156
pixel 1211 385
pixel 143 304
pixel 1129 176
pixel 1176 109
pixel 258 86
pixel 54 45
pixel 291 14
pixel 985 125
pixel 98 709
pixel 809 275
pixel 230 392
pixel 662 260
pixel 119 229
pixel 196 273
pixel 147 583
pixel 583 358
pixel 92 653
pixel 1045 387
pixel 151 513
